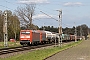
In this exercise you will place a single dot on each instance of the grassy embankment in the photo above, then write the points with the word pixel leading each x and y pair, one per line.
pixel 41 54
pixel 10 44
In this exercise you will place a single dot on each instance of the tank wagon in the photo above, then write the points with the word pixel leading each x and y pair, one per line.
pixel 65 37
pixel 72 37
pixel 48 35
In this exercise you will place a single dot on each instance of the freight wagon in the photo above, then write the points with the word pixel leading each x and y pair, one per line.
pixel 42 36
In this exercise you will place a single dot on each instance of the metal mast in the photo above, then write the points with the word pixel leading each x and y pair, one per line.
pixel 60 27
pixel 81 31
pixel 75 33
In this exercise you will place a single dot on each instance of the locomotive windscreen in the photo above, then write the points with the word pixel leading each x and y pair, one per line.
pixel 25 32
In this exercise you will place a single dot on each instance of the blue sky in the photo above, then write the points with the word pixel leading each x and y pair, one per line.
pixel 77 11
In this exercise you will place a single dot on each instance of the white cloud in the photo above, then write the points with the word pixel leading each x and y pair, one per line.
pixel 73 4
pixel 43 16
pixel 33 1
pixel 40 16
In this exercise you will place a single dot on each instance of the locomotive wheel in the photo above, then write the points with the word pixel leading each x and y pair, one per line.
pixel 25 44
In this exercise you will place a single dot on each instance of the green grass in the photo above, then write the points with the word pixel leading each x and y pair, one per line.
pixel 41 54
pixel 10 44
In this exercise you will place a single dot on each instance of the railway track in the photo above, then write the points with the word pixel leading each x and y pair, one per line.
pixel 21 48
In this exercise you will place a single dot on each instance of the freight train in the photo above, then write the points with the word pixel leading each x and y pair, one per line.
pixel 30 37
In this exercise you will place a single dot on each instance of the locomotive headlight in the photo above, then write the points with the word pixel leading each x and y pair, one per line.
pixel 27 36
pixel 22 36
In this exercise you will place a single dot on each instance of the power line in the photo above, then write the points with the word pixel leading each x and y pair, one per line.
pixel 10 2
pixel 49 16
pixel 52 17
pixel 37 8
pixel 6 7
pixel 46 11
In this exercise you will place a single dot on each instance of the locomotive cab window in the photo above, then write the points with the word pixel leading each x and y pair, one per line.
pixel 27 32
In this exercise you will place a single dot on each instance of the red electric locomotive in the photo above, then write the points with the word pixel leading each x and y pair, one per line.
pixel 28 37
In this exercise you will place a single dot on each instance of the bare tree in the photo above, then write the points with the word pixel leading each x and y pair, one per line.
pixel 25 14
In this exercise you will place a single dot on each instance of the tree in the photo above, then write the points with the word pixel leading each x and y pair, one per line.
pixel 14 25
pixel 48 28
pixel 68 30
pixel 84 30
pixel 25 14
pixel 1 25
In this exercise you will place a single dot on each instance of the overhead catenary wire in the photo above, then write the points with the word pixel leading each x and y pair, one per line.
pixel 52 17
pixel 37 8
pixel 49 16
pixel 6 7
pixel 47 11
pixel 10 2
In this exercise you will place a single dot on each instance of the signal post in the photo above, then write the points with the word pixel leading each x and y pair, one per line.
pixel 5 30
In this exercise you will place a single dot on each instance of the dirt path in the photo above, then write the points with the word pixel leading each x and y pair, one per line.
pixel 80 52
